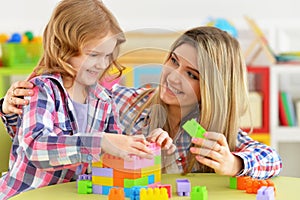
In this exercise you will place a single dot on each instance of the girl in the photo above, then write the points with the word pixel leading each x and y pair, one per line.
pixel 61 129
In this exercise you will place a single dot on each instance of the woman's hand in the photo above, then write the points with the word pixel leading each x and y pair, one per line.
pixel 14 97
pixel 123 146
pixel 163 139
pixel 213 151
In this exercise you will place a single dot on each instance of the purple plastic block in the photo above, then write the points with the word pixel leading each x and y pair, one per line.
pixel 265 193
pixel 135 163
pixel 107 172
pixel 84 177
pixel 183 187
pixel 97 189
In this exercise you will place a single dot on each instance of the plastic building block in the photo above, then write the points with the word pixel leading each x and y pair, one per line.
pixel 233 182
pixel 265 193
pixel 156 193
pixel 183 187
pixel 85 187
pixel 135 192
pixel 168 187
pixel 193 128
pixel 107 172
pixel 199 193
pixel 242 181
pixel 116 194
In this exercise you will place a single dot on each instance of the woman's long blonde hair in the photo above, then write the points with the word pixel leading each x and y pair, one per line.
pixel 223 87
pixel 73 24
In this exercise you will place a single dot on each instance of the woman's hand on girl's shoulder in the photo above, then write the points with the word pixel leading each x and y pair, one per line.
pixel 13 99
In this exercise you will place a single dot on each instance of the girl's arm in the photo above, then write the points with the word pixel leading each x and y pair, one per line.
pixel 46 137
pixel 260 160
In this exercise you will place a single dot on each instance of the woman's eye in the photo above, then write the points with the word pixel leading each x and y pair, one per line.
pixel 190 74
pixel 174 61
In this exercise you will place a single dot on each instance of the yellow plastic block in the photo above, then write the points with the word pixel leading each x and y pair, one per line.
pixel 100 180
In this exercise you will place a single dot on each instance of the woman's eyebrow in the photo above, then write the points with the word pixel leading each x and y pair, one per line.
pixel 189 67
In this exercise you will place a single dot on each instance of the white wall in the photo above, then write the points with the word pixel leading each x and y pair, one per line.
pixel 279 19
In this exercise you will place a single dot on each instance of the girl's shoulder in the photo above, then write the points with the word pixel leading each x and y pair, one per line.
pixel 51 83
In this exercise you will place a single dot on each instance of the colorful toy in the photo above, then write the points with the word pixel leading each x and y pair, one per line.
pixel 156 193
pixel 183 187
pixel 199 193
pixel 249 184
pixel 116 194
pixel 193 128
pixel 112 172
pixel 265 193
pixel 84 187
pixel 233 182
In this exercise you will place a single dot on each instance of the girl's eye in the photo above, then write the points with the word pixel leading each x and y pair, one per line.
pixel 93 54
pixel 190 74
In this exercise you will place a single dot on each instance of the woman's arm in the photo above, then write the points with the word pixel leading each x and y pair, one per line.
pixel 260 160
pixel 11 104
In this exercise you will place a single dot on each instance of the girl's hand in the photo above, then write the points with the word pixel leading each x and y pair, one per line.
pixel 14 97
pixel 163 139
pixel 123 146
pixel 214 152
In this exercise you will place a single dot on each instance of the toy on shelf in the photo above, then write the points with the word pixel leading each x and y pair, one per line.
pixel 21 50
pixel 183 187
pixel 111 172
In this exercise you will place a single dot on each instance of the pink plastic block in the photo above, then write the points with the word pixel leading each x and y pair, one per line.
pixel 106 172
pixel 156 149
pixel 265 193
pixel 146 162
pixel 183 187
pixel 154 185
pixel 135 163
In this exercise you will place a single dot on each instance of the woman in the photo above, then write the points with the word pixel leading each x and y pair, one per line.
pixel 204 78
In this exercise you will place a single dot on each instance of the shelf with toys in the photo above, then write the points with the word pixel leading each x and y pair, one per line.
pixel 19 54
pixel 285 137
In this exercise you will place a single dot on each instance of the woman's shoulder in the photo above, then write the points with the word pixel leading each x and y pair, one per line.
pixel 123 93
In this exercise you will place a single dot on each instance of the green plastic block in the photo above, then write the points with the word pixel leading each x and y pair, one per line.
pixel 85 187
pixel 233 182
pixel 157 160
pixel 193 128
pixel 199 193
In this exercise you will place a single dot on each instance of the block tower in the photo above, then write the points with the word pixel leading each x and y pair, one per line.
pixel 112 171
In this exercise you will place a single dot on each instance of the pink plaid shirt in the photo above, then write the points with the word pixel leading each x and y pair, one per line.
pixel 47 147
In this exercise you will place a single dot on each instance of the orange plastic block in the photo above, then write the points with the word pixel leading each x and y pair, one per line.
pixel 113 162
pixel 116 194
pixel 126 173
pixel 119 182
pixel 241 182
